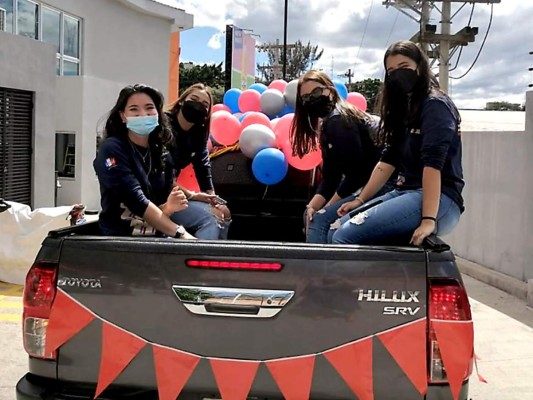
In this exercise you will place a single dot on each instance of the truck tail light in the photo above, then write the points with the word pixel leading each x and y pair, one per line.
pixel 39 294
pixel 448 301
pixel 253 266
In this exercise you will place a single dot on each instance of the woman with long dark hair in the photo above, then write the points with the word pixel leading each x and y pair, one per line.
pixel 189 118
pixel 135 198
pixel 421 131
pixel 344 135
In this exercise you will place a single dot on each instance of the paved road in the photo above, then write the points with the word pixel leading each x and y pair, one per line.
pixel 503 342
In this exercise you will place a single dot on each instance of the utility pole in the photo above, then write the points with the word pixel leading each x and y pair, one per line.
pixel 285 40
pixel 276 50
pixel 530 69
pixel 438 46
pixel 348 74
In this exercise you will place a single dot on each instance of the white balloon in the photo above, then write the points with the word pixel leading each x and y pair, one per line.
pixel 290 93
pixel 272 102
pixel 255 138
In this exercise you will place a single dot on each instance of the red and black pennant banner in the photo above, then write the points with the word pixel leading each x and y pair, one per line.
pixel 293 375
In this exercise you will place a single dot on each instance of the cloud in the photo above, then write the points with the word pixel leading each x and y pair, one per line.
pixel 355 34
pixel 215 42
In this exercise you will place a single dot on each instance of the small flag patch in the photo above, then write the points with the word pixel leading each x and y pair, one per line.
pixel 110 162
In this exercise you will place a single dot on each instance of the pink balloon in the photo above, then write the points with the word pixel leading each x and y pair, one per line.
pixel 209 145
pixel 250 100
pixel 358 100
pixel 187 179
pixel 274 122
pixel 255 117
pixel 307 162
pixel 219 107
pixel 279 84
pixel 225 128
pixel 283 129
pixel 219 113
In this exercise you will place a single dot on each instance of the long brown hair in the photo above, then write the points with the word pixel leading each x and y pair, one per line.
pixel 174 108
pixel 305 130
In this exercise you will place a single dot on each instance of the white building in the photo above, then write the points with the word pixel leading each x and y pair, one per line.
pixel 62 65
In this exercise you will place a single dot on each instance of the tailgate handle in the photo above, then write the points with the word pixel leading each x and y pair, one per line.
pixel 232 302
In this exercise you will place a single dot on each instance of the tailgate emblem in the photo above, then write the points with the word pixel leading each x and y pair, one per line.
pixel 232 302
pixel 397 296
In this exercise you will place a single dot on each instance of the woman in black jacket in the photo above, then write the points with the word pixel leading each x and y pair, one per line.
pixel 189 119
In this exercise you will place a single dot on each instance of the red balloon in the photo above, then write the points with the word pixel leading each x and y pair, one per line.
pixel 307 162
pixel 255 117
pixel 250 100
pixel 283 129
pixel 279 84
pixel 225 128
pixel 219 107
pixel 358 100
pixel 187 179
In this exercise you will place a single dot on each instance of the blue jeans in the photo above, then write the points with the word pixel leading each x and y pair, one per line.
pixel 394 218
pixel 199 220
pixel 318 228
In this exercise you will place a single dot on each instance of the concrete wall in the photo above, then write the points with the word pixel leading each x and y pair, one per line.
pixel 496 229
pixel 30 65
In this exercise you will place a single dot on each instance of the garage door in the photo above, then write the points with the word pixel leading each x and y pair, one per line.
pixel 16 116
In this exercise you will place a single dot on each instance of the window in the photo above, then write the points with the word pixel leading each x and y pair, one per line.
pixel 6 11
pixel 27 19
pixel 38 21
pixel 66 154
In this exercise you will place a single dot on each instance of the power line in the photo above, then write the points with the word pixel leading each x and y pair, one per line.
pixel 462 47
pixel 392 28
pixel 481 47
pixel 364 33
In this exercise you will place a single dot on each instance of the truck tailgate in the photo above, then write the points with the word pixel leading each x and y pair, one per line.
pixel 320 298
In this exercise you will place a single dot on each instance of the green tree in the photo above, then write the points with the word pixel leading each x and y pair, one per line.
pixel 368 88
pixel 300 58
pixel 503 106
pixel 209 74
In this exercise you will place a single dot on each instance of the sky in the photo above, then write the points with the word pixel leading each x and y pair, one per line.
pixel 355 34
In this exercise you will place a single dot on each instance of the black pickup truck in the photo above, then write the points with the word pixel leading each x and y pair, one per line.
pixel 260 316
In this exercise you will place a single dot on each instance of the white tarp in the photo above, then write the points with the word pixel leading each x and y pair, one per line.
pixel 21 234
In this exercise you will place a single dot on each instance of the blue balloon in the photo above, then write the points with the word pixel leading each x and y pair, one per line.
pixel 341 89
pixel 286 110
pixel 231 99
pixel 270 166
pixel 242 116
pixel 259 87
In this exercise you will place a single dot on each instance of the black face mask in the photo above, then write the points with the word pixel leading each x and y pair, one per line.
pixel 319 107
pixel 194 112
pixel 403 80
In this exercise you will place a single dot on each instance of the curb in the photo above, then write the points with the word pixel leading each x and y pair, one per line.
pixel 508 284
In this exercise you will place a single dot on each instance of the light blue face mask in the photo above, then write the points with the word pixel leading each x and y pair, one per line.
pixel 142 126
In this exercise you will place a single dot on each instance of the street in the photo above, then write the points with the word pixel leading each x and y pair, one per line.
pixel 503 342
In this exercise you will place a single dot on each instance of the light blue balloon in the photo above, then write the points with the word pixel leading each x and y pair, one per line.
pixel 259 87
pixel 270 166
pixel 242 116
pixel 341 89
pixel 286 110
pixel 231 99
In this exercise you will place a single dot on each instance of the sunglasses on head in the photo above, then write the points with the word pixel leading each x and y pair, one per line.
pixel 313 94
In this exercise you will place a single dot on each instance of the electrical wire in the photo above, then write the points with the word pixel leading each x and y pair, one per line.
pixel 364 34
pixel 461 49
pixel 392 28
pixel 481 47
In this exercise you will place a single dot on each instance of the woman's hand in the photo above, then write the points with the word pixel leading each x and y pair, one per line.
pixel 309 212
pixel 176 201
pixel 188 236
pixel 203 197
pixel 426 228
pixel 349 206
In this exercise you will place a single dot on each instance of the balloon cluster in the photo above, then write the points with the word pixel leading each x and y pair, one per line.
pixel 259 119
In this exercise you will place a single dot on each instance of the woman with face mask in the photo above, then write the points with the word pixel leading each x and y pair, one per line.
pixel 421 131
pixel 135 198
pixel 344 135
pixel 189 119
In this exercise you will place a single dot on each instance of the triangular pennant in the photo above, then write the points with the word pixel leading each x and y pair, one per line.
pixel 67 318
pixel 456 345
pixel 234 377
pixel 293 376
pixel 119 347
pixel 172 369
pixel 407 345
pixel 354 363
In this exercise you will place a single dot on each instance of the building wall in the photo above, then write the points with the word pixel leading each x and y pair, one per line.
pixel 26 64
pixel 496 229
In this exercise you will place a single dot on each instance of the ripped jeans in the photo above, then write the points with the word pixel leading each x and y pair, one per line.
pixel 394 218
pixel 318 228
pixel 200 220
